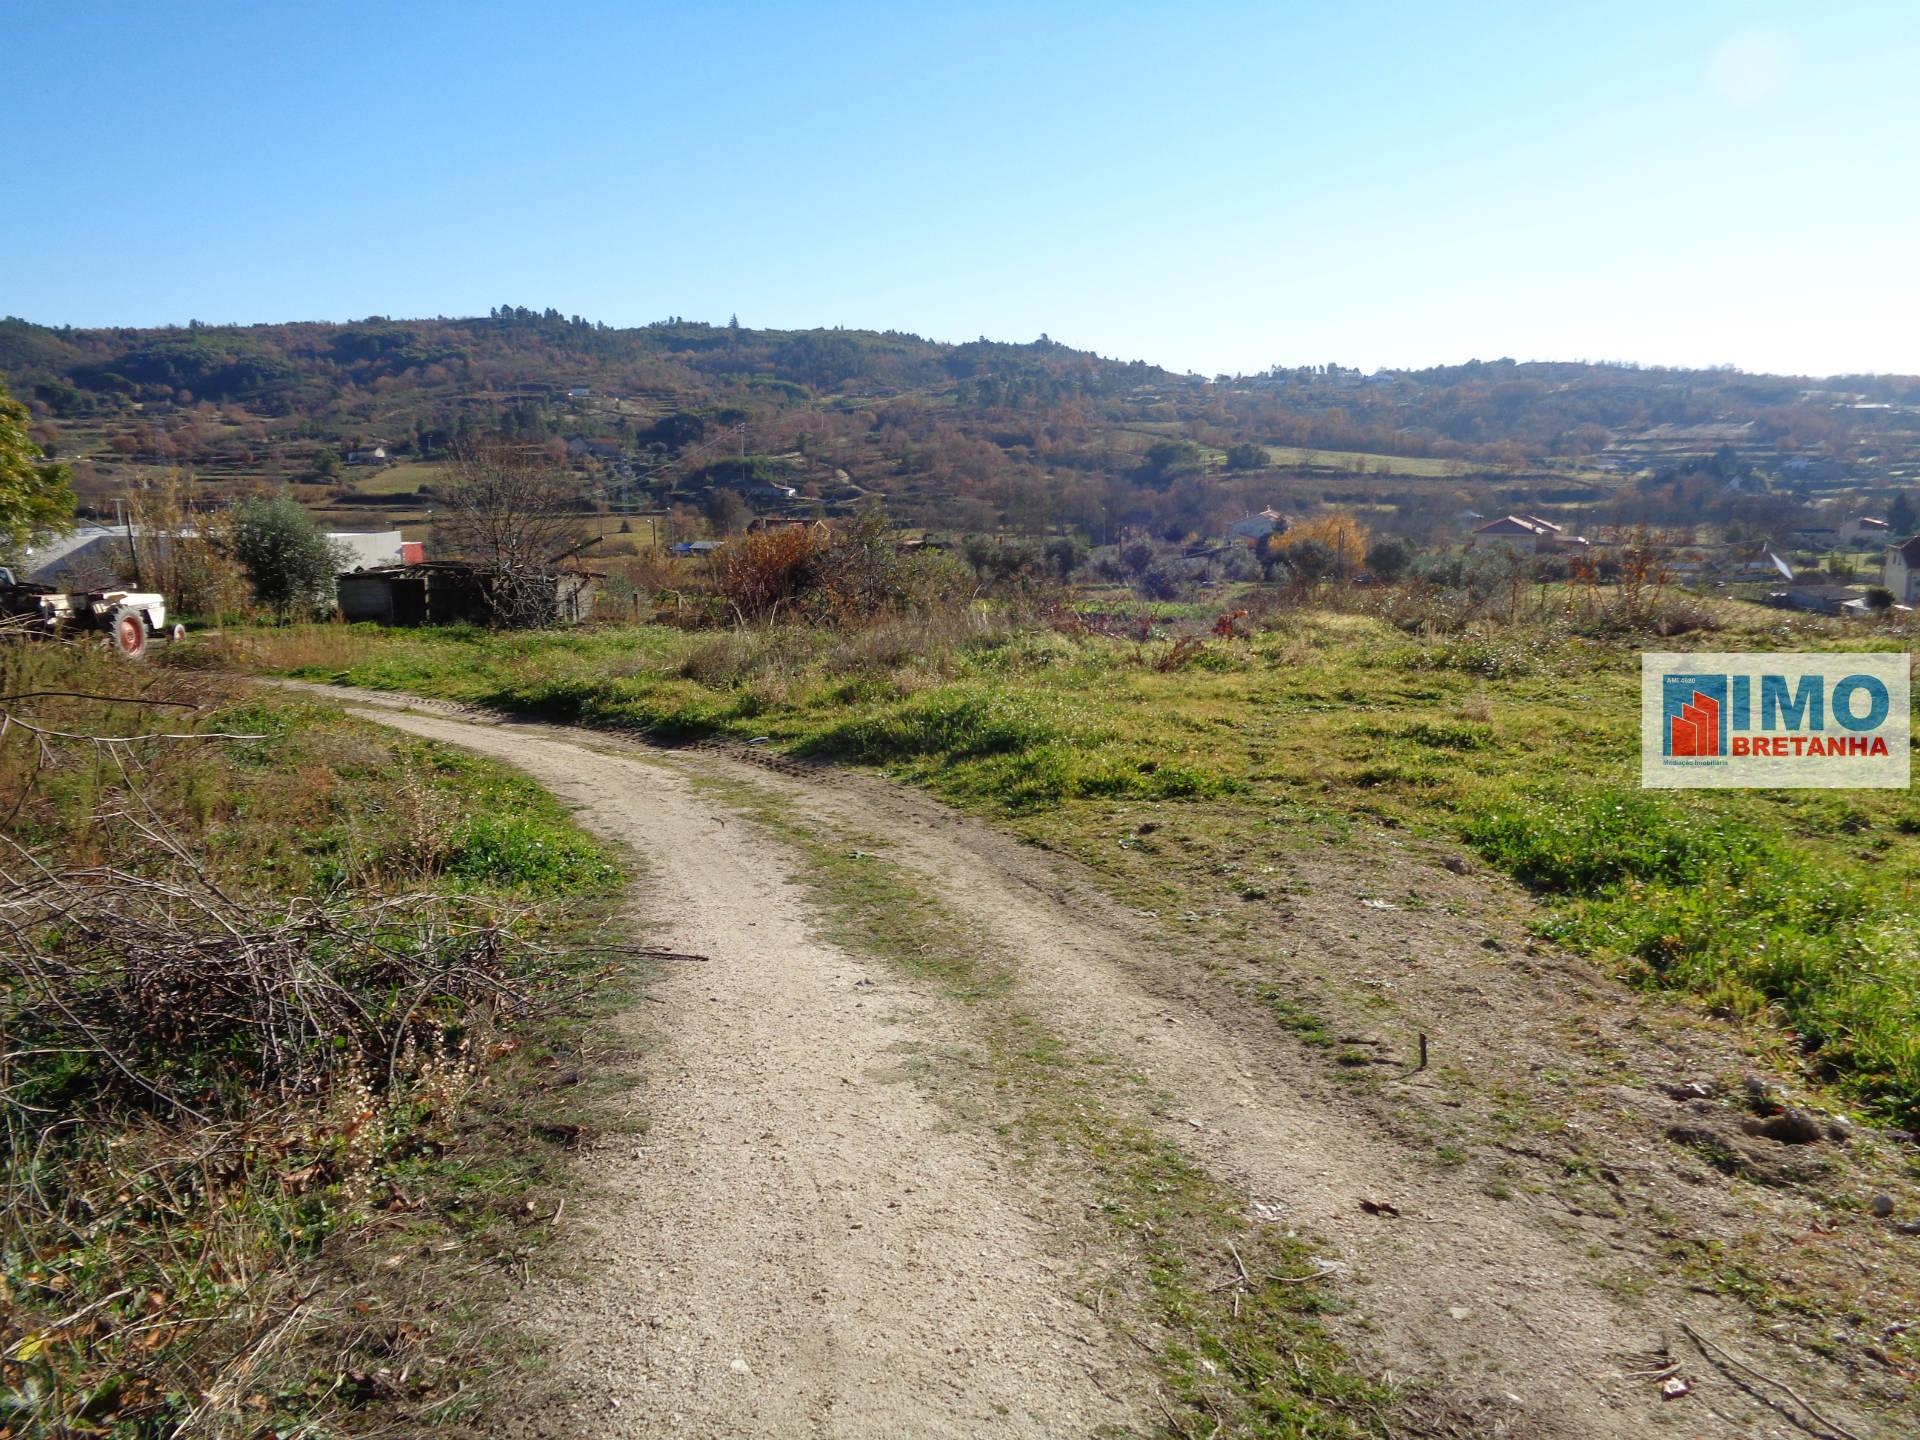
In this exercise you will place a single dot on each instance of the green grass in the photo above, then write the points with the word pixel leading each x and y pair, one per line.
pixel 1363 463
pixel 524 853
pixel 399 479
pixel 1793 909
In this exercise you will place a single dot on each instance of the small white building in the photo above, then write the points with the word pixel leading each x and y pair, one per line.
pixel 368 549
pixel 1865 530
pixel 1902 575
pixel 1256 528
pixel 377 455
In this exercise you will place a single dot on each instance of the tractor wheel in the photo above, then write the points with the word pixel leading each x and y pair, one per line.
pixel 129 633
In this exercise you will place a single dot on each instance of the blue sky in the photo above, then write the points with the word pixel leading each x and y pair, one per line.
pixel 1211 187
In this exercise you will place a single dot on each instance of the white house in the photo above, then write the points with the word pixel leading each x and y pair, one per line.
pixel 1256 528
pixel 1903 571
pixel 368 549
pixel 1865 530
pixel 374 456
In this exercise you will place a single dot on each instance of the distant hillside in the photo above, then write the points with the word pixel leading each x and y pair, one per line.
pixel 967 436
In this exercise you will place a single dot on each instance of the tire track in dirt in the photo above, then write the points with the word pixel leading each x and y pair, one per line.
pixel 800 1244
pixel 1463 1291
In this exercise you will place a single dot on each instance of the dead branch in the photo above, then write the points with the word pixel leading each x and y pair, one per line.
pixel 1721 1356
pixel 91 695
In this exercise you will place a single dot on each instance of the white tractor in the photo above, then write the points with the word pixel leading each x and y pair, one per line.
pixel 126 619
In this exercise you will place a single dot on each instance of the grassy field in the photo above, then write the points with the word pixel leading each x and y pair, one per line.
pixel 276 1009
pixel 1793 909
pixel 394 479
pixel 1361 463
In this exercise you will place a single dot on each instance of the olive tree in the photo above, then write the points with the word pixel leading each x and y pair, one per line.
pixel 289 561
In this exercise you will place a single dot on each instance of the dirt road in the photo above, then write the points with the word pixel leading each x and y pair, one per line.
pixel 804 1243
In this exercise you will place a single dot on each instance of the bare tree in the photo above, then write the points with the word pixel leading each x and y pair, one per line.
pixel 510 511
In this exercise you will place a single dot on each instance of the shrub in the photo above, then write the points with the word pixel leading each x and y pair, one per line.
pixel 766 573
pixel 1388 559
pixel 1164 580
pixel 1167 460
pixel 290 564
pixel 956 724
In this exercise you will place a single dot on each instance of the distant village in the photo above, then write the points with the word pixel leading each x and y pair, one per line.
pixel 657 480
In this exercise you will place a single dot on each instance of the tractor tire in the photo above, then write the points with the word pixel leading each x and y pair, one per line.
pixel 129 633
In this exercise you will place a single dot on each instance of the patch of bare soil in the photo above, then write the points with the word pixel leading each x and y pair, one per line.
pixel 1501 1214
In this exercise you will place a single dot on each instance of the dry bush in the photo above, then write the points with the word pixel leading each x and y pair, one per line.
pixel 1186 650
pixel 774 570
pixel 660 589
pixel 189 1084
pixel 749 653
pixel 198 1082
pixel 845 576
pixel 1652 611
pixel 151 975
pixel 925 642
pixel 509 509
pixel 320 646
pixel 187 554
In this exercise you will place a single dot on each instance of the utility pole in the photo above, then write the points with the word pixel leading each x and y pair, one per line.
pixel 133 552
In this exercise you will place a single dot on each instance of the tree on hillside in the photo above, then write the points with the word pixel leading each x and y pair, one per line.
pixel 289 562
pixel 34 496
pixel 1305 562
pixel 509 510
pixel 1387 559
pixel 1137 555
pixel 1345 536
pixel 1248 456
pixel 1903 517
pixel 1064 555
pixel 727 512
pixel 1167 460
